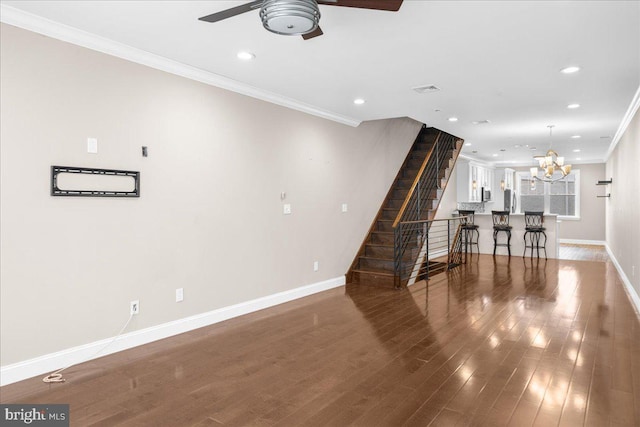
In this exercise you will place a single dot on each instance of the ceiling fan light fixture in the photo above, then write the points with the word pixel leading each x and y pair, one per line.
pixel 290 17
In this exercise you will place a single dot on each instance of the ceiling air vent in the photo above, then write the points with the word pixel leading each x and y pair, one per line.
pixel 426 88
pixel 481 122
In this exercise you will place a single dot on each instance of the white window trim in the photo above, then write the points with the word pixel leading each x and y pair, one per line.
pixel 547 194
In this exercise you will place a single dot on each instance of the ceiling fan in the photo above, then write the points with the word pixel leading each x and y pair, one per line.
pixel 297 17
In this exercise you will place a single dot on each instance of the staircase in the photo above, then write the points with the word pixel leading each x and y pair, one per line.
pixel 414 195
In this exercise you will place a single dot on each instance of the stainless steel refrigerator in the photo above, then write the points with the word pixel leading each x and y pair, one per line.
pixel 510 200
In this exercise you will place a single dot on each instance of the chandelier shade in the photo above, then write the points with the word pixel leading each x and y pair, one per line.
pixel 549 164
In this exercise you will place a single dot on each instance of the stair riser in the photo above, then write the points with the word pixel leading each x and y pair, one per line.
pixel 419 155
pixel 414 163
pixel 394 203
pixel 400 193
pixel 381 239
pixel 404 183
pixel 384 226
pixel 389 214
pixel 387 252
pixel 372 279
pixel 376 264
pixel 409 174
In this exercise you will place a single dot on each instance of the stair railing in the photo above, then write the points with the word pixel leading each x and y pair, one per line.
pixel 430 247
pixel 416 206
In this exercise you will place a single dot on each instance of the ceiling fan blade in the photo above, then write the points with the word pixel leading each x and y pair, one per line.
pixel 315 33
pixel 389 5
pixel 219 16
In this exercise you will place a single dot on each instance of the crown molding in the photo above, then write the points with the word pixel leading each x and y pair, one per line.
pixel 628 116
pixel 28 21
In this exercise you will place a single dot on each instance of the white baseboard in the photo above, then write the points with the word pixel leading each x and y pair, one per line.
pixel 633 295
pixel 583 242
pixel 50 362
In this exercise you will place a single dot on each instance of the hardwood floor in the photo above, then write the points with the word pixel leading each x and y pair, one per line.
pixel 583 252
pixel 499 341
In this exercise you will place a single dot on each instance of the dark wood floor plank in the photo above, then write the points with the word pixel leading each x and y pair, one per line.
pixel 499 341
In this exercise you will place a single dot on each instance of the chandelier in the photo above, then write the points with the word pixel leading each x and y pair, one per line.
pixel 549 164
pixel 290 17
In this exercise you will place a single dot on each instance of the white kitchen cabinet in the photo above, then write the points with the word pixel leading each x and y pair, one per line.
pixel 508 176
pixel 472 177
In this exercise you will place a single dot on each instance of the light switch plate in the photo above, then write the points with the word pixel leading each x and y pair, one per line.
pixel 286 209
pixel 179 294
pixel 92 145
pixel 344 207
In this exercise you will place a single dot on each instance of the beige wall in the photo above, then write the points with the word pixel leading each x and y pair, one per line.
pixel 209 218
pixel 448 203
pixel 623 208
pixel 591 225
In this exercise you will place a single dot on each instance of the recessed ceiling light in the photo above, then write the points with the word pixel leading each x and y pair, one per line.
pixel 573 106
pixel 453 119
pixel 426 88
pixel 481 122
pixel 576 137
pixel 517 146
pixel 577 150
pixel 246 56
pixel 358 101
pixel 532 148
pixel 578 158
pixel 468 144
pixel 570 70
pixel 494 155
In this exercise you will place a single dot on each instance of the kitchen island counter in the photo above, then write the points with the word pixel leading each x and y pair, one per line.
pixel 484 222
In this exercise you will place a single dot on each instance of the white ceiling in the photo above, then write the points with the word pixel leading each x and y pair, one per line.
pixel 493 60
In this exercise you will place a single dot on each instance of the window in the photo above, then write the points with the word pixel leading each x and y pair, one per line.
pixel 560 197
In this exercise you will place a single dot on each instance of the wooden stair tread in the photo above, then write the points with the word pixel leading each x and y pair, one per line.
pixel 372 271
pixel 374 258
pixel 379 245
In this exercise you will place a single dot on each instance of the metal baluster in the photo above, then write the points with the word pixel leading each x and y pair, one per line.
pixel 448 245
pixel 396 251
pixel 419 199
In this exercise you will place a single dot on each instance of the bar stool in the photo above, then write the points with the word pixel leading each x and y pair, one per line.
pixel 501 223
pixel 468 228
pixel 534 227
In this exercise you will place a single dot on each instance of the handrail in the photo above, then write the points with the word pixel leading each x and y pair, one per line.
pixel 433 220
pixel 436 243
pixel 416 181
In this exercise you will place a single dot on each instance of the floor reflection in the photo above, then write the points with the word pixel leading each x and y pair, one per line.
pixel 497 341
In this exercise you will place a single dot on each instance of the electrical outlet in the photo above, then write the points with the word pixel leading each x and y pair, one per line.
pixel 179 294
pixel 316 265
pixel 134 307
